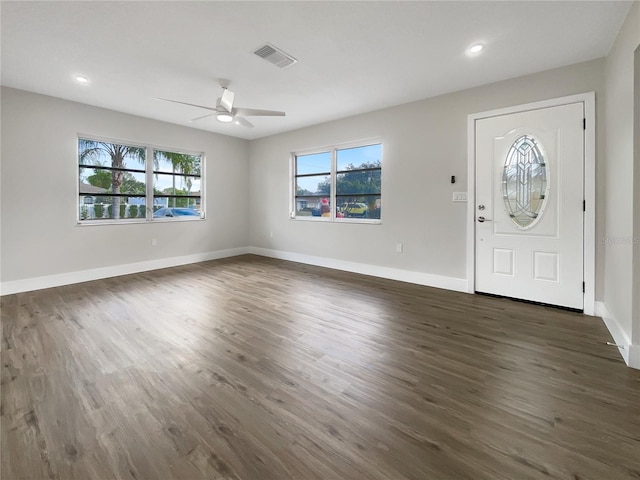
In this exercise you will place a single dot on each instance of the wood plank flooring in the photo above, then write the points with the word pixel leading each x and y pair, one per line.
pixel 254 369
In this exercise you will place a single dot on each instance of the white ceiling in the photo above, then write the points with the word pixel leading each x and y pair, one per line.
pixel 353 57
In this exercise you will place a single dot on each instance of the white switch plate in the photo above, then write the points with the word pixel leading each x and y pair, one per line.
pixel 399 248
pixel 459 196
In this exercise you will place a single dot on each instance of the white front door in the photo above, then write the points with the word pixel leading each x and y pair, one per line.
pixel 529 205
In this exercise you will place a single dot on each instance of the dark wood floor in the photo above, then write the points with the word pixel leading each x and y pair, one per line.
pixel 254 369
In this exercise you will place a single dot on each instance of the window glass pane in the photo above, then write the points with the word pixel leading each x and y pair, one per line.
pixel 357 175
pixel 172 162
pixel 314 163
pixel 524 181
pixel 112 183
pixel 178 212
pixel 366 206
pixel 313 207
pixel 104 207
pixel 368 156
pixel 314 185
pixel 176 184
pixel 97 180
pixel 359 181
pixel 180 202
pixel 91 152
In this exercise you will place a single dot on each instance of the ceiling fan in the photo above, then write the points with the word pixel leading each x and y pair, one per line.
pixel 224 110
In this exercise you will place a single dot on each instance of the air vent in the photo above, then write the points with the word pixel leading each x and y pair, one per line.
pixel 275 56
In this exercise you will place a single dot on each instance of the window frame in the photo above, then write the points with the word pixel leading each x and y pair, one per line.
pixel 333 150
pixel 149 171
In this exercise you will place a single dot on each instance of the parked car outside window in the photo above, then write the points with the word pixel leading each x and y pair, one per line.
pixel 175 212
pixel 354 210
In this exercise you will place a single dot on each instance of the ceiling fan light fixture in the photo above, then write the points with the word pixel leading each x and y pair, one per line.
pixel 224 117
pixel 477 48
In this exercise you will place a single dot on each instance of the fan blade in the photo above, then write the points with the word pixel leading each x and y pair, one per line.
pixel 226 101
pixel 254 112
pixel 189 104
pixel 242 121
pixel 204 116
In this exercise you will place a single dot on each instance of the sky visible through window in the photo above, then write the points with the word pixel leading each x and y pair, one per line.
pixel 161 182
pixel 320 163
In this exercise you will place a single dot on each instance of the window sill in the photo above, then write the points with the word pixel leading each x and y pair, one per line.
pixel 367 221
pixel 91 223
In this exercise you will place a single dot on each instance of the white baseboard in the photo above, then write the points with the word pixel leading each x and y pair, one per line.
pixel 634 356
pixel 429 280
pixel 38 283
pixel 629 352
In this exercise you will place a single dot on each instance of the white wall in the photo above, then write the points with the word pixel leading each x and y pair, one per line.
pixel 636 203
pixel 619 236
pixel 40 237
pixel 425 143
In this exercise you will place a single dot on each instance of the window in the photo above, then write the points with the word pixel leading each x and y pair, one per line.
pixel 313 184
pixel 176 180
pixel 524 182
pixel 338 183
pixel 117 183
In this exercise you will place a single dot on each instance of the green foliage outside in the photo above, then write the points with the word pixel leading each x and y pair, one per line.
pixel 303 191
pixel 100 178
pixel 90 152
pixel 117 182
pixel 186 165
pixel 354 183
pixel 131 185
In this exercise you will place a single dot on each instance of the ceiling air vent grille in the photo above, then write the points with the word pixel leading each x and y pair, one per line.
pixel 275 56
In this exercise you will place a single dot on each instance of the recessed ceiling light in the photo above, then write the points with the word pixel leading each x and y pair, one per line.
pixel 81 79
pixel 477 48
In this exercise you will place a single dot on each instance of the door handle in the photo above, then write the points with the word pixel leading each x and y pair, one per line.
pixel 482 219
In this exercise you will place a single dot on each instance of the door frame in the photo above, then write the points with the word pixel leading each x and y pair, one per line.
pixel 589 186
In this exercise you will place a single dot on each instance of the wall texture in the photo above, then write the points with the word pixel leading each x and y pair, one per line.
pixel 636 201
pixel 425 143
pixel 619 238
pixel 40 236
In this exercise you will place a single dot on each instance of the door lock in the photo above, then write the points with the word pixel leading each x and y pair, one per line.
pixel 480 207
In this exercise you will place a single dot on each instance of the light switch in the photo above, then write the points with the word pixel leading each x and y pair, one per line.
pixel 459 196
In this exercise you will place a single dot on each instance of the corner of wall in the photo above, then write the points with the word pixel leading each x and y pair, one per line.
pixel 620 337
pixel 621 198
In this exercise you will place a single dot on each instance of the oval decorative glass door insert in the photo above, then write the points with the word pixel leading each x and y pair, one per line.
pixel 524 182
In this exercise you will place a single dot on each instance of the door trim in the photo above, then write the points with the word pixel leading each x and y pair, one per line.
pixel 589 239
